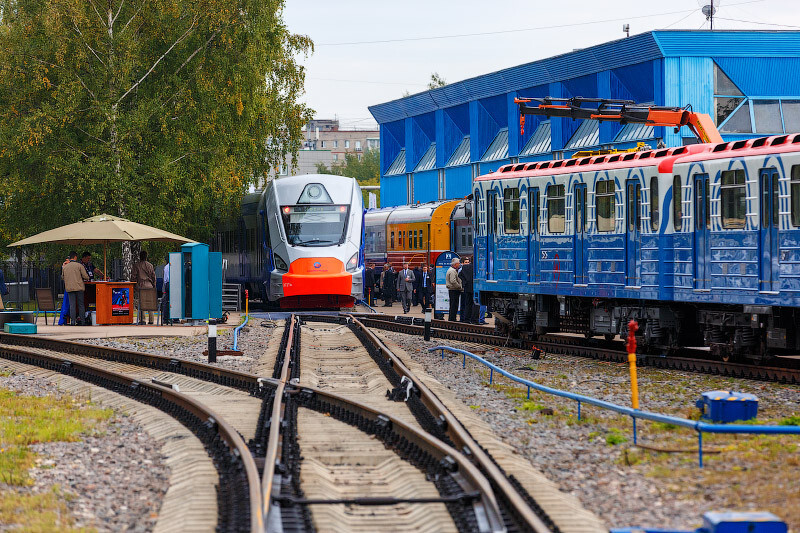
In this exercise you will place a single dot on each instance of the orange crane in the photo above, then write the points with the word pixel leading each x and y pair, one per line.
pixel 622 111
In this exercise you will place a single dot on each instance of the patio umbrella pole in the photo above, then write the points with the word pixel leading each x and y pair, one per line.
pixel 105 267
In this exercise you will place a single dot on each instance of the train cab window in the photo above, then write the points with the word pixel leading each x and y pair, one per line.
pixel 795 195
pixel 511 211
pixel 734 199
pixel 556 213
pixel 606 203
pixel 654 200
pixel 677 203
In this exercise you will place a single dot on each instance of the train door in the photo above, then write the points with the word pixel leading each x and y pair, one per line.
pixel 702 227
pixel 633 234
pixel 768 234
pixel 533 236
pixel 579 251
pixel 491 232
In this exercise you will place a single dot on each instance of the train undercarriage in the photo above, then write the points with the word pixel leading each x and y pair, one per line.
pixel 743 333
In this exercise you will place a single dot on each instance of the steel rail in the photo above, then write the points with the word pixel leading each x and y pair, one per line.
pixel 236 446
pixel 461 438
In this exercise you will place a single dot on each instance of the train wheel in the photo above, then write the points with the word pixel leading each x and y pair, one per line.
pixel 609 337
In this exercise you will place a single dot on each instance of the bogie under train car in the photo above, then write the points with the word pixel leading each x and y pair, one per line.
pixel 700 244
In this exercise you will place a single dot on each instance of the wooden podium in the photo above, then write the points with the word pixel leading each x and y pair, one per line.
pixel 113 300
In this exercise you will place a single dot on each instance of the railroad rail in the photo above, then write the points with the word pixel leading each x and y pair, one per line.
pixel 602 350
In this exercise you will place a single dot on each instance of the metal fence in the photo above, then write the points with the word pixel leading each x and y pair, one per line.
pixel 699 427
pixel 22 278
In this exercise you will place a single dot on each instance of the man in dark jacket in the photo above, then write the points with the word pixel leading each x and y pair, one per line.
pixel 369 284
pixel 466 298
pixel 387 285
pixel 415 298
pixel 425 290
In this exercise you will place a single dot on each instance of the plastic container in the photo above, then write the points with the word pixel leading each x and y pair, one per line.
pixel 19 328
pixel 726 406
pixel 94 318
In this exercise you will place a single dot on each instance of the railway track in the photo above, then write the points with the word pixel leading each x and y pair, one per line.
pixel 414 467
pixel 611 351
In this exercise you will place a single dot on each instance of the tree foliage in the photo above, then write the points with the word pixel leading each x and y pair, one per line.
pixel 436 81
pixel 366 172
pixel 161 111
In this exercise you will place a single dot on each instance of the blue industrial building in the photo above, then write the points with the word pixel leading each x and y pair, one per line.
pixel 433 143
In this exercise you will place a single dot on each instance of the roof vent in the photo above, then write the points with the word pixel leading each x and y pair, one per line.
pixel 679 151
pixel 720 147
pixel 585 161
pixel 531 166
pixel 600 159
pixel 546 164
pixel 506 168
pixel 796 138
pixel 518 168
pixel 661 153
pixel 645 155
pixel 628 157
pixel 613 158
pixel 557 164
pixel 738 145
pixel 761 141
pixel 571 163
pixel 779 140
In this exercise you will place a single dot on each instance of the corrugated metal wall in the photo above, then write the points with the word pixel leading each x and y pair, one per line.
pixel 458 181
pixel 426 185
pixel 394 190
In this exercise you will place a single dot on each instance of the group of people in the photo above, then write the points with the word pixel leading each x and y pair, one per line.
pixel 76 273
pixel 415 286
pixel 411 287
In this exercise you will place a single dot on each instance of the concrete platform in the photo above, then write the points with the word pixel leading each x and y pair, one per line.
pixel 397 309
pixel 103 332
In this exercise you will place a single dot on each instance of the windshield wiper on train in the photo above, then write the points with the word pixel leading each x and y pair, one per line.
pixel 312 242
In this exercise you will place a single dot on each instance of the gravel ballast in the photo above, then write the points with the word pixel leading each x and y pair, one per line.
pixel 114 477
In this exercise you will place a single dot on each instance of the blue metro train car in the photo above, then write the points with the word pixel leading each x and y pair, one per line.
pixel 700 244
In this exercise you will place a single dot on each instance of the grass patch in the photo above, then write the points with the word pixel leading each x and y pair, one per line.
pixel 793 420
pixel 5 373
pixel 474 407
pixel 28 420
pixel 44 512
pixel 532 406
pixel 615 437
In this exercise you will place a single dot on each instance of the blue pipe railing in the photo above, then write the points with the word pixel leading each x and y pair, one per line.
pixel 365 304
pixel 236 332
pixel 700 427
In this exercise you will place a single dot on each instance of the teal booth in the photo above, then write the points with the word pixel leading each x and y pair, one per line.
pixel 195 288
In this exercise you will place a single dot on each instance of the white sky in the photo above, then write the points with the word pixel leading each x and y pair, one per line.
pixel 343 79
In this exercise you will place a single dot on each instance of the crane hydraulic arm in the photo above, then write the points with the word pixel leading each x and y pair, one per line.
pixel 622 111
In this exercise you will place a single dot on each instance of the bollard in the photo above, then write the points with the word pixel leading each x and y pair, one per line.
pixel 633 326
pixel 428 313
pixel 246 302
pixel 212 341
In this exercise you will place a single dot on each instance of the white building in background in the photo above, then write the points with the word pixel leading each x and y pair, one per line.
pixel 325 134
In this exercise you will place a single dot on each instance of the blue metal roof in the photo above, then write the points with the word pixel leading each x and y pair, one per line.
pixel 398 166
pixel 499 147
pixel 635 132
pixel 428 161
pixel 540 142
pixel 460 155
pixel 611 55
pixel 587 134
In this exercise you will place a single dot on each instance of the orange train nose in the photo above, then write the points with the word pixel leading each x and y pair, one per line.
pixel 319 275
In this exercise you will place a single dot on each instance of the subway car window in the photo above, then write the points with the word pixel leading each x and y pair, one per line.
pixel 795 195
pixel 655 217
pixel 606 202
pixel 511 210
pixel 556 217
pixel 734 199
pixel 677 203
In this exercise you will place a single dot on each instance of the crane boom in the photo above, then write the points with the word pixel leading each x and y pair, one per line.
pixel 622 111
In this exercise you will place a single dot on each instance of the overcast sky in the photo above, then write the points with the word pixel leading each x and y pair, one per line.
pixel 369 52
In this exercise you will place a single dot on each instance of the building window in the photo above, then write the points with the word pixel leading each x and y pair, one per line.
pixel 727 95
pixel 347 144
pixel 322 144
pixel 767 116
pixel 336 144
pixel 556 218
pixel 654 200
pixel 372 144
pixel 441 184
pixel 606 204
pixel 795 195
pixel 734 199
pixel 511 211
pixel 677 203
pixel 359 157
pixel 358 146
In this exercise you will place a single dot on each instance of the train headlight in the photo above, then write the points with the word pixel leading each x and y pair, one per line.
pixel 352 264
pixel 280 264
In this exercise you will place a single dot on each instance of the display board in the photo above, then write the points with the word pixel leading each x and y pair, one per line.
pixel 442 296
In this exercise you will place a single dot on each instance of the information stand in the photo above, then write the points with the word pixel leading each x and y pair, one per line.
pixel 114 301
pixel 441 304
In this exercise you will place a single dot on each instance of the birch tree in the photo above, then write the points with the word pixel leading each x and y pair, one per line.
pixel 159 111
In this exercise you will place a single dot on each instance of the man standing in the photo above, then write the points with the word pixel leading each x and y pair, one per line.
pixel 415 300
pixel 425 288
pixel 369 283
pixel 466 277
pixel 405 286
pixel 144 275
pixel 387 284
pixel 165 320
pixel 454 287
pixel 74 275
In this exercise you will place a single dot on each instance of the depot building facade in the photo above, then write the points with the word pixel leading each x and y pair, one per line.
pixel 434 143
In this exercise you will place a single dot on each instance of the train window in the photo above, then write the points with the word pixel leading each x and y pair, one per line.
pixel 410 240
pixel 533 211
pixel 795 195
pixel 634 201
pixel 654 200
pixel 511 210
pixel 677 203
pixel 556 218
pixel 469 236
pixel 391 243
pixel 734 199
pixel 422 239
pixel 606 203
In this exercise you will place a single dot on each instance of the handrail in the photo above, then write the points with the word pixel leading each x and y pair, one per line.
pixel 236 332
pixel 365 304
pixel 700 427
